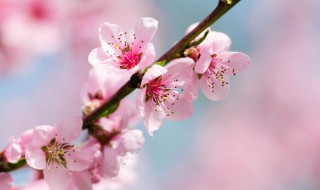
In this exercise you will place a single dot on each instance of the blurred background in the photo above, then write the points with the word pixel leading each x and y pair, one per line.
pixel 264 135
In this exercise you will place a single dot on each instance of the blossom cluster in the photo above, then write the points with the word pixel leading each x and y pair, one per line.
pixel 72 159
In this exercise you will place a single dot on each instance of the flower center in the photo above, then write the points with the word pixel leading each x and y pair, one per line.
pixel 214 73
pixel 55 152
pixel 163 93
pixel 39 11
pixel 123 52
pixel 129 59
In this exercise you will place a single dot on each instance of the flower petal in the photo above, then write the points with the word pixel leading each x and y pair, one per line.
pixel 148 56
pixel 182 107
pixel 42 135
pixel 110 38
pixel 78 160
pixel 82 180
pixel 129 141
pixel 213 88
pixel 5 181
pixel 110 164
pixel 144 30
pixel 35 157
pixel 218 41
pixel 13 152
pixel 235 61
pixel 92 85
pixel 69 129
pixel 194 85
pixel 100 59
pixel 57 177
pixel 152 73
pixel 152 119
pixel 204 60
pixel 25 139
pixel 180 69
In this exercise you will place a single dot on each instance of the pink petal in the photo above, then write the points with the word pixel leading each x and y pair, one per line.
pixel 69 129
pixel 78 160
pixel 194 85
pixel 5 181
pixel 92 85
pixel 129 141
pixel 144 30
pixel 25 139
pixel 140 102
pixel 180 69
pixel 13 152
pixel 82 180
pixel 111 163
pixel 218 91
pixel 100 59
pixel 109 33
pixel 152 73
pixel 204 60
pixel 42 135
pixel 35 157
pixel 152 121
pixel 148 56
pixel 234 60
pixel 182 108
pixel 57 177
pixel 35 185
pixel 218 41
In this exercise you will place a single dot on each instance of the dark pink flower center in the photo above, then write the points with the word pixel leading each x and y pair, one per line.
pixel 126 54
pixel 163 93
pixel 40 11
pixel 129 59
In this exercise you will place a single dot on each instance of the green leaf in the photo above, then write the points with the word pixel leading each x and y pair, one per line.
pixel 161 63
pixel 110 110
pixel 13 166
pixel 199 76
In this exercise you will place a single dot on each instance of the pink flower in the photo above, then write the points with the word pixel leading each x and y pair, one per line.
pixel 13 151
pixel 52 152
pixel 84 179
pixel 125 51
pixel 166 93
pixel 17 146
pixel 5 181
pixel 123 141
pixel 127 176
pixel 99 87
pixel 214 64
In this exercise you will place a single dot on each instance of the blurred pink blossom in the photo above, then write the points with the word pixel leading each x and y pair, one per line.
pixel 5 181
